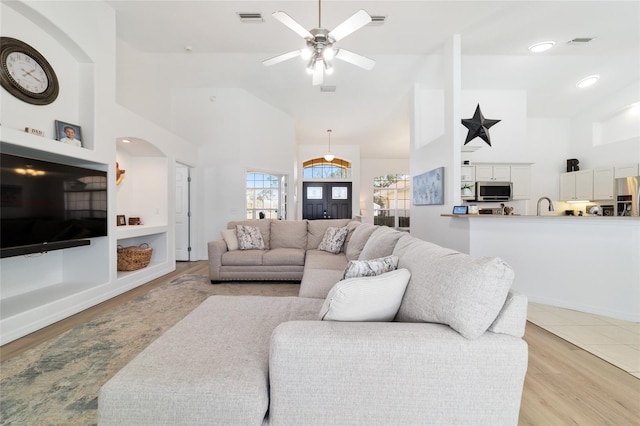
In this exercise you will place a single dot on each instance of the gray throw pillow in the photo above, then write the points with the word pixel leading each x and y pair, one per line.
pixel 370 268
pixel 381 243
pixel 249 238
pixel 333 239
pixel 462 291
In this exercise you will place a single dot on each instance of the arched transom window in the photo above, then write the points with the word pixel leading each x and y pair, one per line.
pixel 319 168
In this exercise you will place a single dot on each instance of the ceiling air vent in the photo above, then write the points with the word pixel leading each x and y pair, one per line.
pixel 377 20
pixel 580 40
pixel 327 88
pixel 250 17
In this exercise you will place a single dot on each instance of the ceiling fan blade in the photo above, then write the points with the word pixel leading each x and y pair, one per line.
pixel 292 24
pixel 355 59
pixel 281 58
pixel 318 73
pixel 354 23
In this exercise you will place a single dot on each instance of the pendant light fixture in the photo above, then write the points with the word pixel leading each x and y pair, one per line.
pixel 329 156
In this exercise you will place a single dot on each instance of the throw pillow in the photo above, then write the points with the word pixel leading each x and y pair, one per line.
pixel 249 237
pixel 370 268
pixel 333 239
pixel 358 239
pixel 366 298
pixel 381 243
pixel 229 237
pixel 456 289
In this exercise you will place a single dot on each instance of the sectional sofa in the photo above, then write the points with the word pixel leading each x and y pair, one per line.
pixel 437 340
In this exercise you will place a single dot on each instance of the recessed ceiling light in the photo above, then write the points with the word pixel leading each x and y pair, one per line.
pixel 587 81
pixel 126 141
pixel 542 46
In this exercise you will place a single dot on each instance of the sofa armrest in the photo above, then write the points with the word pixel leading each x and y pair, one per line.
pixel 324 372
pixel 216 249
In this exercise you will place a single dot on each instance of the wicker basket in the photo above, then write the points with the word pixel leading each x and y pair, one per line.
pixel 134 257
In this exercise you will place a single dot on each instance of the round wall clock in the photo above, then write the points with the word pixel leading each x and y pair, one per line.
pixel 25 73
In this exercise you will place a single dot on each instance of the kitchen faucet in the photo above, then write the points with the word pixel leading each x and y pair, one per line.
pixel 540 201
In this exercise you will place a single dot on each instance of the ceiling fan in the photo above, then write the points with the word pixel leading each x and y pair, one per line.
pixel 320 49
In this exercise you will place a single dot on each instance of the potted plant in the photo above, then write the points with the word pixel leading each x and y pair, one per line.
pixel 466 189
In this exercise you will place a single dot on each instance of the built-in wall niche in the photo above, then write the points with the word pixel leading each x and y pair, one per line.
pixel 143 188
pixel 74 68
pixel 622 125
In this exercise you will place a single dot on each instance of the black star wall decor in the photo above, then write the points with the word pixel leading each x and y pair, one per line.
pixel 478 126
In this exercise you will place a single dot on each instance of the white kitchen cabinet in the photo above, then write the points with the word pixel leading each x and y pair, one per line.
pixel 576 185
pixel 467 182
pixel 626 171
pixel 501 173
pixel 521 179
pixel 603 183
pixel 468 174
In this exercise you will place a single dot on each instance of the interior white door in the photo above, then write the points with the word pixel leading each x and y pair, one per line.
pixel 183 215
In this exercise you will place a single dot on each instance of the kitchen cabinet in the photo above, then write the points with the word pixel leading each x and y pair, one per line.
pixel 521 179
pixel 603 183
pixel 626 171
pixel 468 182
pixel 501 173
pixel 576 185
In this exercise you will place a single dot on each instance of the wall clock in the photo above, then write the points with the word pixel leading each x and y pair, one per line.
pixel 25 73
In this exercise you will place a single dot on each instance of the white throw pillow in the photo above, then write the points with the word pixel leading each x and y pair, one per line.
pixel 366 298
pixel 333 239
pixel 249 237
pixel 229 237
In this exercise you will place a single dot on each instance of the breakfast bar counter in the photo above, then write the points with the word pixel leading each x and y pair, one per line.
pixel 586 263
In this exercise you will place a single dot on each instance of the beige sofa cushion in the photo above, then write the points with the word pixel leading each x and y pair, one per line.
pixel 381 243
pixel 357 239
pixel 263 224
pixel 447 287
pixel 289 234
pixel 242 258
pixel 283 256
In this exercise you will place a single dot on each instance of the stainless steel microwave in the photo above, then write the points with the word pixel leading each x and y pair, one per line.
pixel 494 191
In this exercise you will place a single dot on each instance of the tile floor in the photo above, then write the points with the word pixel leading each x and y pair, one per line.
pixel 615 341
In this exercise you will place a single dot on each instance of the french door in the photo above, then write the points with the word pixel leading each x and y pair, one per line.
pixel 326 200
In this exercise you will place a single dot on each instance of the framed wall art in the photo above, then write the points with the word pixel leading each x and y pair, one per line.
pixel 428 188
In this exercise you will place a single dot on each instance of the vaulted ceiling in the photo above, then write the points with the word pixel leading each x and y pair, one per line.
pixel 371 108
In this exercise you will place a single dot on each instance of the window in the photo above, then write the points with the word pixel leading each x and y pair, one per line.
pixel 392 200
pixel 319 168
pixel 266 196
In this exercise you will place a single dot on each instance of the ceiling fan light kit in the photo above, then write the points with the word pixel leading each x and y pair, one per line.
pixel 320 50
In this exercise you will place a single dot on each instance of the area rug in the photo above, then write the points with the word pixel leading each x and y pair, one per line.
pixel 57 382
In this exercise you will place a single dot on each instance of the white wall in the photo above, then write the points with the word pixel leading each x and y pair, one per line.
pixel 237 133
pixel 611 150
pixel 442 151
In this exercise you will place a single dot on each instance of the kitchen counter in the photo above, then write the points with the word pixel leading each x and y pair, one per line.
pixel 586 263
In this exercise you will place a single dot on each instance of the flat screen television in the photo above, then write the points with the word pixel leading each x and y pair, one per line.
pixel 47 206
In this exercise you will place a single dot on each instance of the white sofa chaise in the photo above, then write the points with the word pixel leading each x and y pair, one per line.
pixel 453 355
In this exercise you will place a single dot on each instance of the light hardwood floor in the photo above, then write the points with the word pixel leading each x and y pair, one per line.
pixel 564 384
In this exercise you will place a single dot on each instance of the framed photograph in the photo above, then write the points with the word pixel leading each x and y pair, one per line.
pixel 68 133
pixel 460 209
pixel 428 188
pixel 121 220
